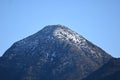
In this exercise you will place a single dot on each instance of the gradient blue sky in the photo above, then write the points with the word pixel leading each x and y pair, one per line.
pixel 96 20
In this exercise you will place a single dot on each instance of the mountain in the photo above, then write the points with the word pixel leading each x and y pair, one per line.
pixel 109 71
pixel 53 53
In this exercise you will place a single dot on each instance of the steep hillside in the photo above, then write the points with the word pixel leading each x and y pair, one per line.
pixel 109 71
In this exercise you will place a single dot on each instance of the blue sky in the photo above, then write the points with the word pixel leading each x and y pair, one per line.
pixel 96 20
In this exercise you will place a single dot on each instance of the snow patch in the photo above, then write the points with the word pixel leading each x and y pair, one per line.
pixel 69 35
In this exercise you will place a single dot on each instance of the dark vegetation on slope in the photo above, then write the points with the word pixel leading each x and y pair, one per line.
pixel 109 71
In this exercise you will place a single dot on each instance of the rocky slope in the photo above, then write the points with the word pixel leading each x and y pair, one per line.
pixel 109 71
pixel 53 53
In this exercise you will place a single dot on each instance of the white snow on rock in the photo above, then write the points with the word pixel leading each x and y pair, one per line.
pixel 50 33
pixel 69 35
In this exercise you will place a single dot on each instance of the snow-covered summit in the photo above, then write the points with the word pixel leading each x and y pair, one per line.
pixel 63 33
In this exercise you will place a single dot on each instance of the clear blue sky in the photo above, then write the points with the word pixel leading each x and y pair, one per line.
pixel 96 20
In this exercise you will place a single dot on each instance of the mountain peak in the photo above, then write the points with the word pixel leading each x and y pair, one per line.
pixel 56 52
pixel 51 29
pixel 63 33
pixel 55 26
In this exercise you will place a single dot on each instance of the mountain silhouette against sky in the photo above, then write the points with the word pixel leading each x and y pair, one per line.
pixel 53 53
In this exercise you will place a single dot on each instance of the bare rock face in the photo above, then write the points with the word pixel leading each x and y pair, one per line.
pixel 53 53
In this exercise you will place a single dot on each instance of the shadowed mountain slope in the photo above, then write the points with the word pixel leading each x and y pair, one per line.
pixel 109 71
